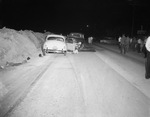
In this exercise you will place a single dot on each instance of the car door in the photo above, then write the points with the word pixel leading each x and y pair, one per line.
pixel 70 44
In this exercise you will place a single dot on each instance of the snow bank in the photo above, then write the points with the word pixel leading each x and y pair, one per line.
pixel 17 46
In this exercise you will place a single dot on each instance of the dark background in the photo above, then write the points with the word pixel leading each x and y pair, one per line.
pixel 92 17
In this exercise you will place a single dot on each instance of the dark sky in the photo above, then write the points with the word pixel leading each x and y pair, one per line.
pixel 95 17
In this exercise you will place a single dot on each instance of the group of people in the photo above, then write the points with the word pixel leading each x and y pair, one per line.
pixel 124 44
pixel 140 45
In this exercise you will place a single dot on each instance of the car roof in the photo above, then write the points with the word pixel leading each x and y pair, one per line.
pixel 76 32
pixel 77 35
pixel 55 35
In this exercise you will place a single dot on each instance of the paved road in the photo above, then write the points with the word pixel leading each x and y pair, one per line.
pixel 131 66
pixel 17 81
pixel 84 85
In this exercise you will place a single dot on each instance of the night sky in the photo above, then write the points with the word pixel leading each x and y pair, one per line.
pixel 92 17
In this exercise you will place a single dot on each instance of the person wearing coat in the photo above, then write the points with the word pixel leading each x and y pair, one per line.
pixel 119 40
pixel 139 42
pixel 123 44
pixel 144 48
pixel 147 63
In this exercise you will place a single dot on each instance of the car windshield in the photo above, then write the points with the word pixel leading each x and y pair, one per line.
pixel 77 35
pixel 55 38
pixel 69 40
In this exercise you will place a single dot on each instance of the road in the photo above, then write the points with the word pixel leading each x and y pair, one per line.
pixel 87 84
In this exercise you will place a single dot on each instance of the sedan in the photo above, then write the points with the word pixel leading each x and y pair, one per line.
pixel 55 44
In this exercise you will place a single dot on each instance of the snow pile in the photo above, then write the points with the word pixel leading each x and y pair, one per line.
pixel 17 46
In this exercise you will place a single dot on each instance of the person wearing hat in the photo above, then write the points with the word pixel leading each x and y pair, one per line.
pixel 147 63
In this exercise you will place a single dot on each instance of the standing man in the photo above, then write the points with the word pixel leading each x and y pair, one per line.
pixel 147 63
pixel 127 43
pixel 144 48
pixel 123 45
pixel 119 40
pixel 139 42
pixel 90 40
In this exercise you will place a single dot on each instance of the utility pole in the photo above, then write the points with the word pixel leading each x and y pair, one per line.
pixel 133 19
pixel 133 4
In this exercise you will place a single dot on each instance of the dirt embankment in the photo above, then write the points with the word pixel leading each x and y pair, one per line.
pixel 18 46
